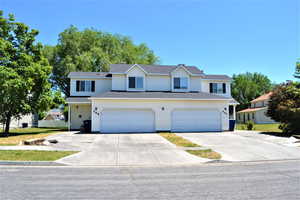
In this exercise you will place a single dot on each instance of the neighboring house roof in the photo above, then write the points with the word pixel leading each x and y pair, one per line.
pixel 262 97
pixel 154 69
pixel 251 109
pixel 161 95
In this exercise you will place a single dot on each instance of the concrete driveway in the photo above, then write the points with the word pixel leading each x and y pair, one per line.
pixel 123 149
pixel 241 146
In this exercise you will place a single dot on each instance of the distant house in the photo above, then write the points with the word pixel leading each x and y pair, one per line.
pixel 257 111
pixel 54 115
pixel 29 120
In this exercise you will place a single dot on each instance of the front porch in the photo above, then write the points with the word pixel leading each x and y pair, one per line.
pixel 79 111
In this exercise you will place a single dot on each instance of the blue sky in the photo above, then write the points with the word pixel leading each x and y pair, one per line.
pixel 223 37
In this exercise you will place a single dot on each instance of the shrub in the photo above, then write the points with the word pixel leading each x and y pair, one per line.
pixel 250 125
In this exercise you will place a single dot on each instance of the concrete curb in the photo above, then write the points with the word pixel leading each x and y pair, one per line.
pixel 213 162
pixel 31 163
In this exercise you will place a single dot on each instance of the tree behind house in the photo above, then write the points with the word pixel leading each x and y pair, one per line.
pixel 297 72
pixel 92 50
pixel 248 86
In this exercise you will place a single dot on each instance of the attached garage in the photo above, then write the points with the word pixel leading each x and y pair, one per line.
pixel 127 120
pixel 191 120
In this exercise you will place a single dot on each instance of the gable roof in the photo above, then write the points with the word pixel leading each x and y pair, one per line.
pixel 262 97
pixel 251 110
pixel 149 69
pixel 153 69
pixel 216 77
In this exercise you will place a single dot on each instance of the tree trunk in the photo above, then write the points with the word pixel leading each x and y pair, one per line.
pixel 7 124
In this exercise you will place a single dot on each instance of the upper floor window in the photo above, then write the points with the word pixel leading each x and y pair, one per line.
pixel 85 86
pixel 219 88
pixel 135 82
pixel 180 83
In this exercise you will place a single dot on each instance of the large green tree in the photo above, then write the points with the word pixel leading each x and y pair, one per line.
pixel 297 72
pixel 284 107
pixel 92 50
pixel 248 86
pixel 24 72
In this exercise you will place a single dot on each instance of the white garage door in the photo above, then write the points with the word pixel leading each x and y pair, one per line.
pixel 196 120
pixel 126 121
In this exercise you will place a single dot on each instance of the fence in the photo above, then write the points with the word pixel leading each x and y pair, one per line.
pixel 52 123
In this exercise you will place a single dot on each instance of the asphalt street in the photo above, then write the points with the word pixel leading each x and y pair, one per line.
pixel 263 180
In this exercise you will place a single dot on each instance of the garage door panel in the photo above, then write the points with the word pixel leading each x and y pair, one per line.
pixel 127 120
pixel 196 120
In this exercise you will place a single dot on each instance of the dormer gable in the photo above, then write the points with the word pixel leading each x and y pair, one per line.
pixel 180 68
pixel 134 68
pixel 136 78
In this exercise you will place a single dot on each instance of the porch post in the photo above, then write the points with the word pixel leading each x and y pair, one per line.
pixel 69 117
pixel 234 114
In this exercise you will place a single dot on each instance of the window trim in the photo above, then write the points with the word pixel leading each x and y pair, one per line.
pixel 180 86
pixel 79 85
pixel 217 88
pixel 136 82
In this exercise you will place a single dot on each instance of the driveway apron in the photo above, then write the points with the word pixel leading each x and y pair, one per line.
pixel 148 149
pixel 235 147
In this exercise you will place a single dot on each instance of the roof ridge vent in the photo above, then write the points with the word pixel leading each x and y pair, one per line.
pixel 181 65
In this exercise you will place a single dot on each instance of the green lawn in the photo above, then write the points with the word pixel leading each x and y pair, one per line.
pixel 26 155
pixel 20 134
pixel 178 141
pixel 261 127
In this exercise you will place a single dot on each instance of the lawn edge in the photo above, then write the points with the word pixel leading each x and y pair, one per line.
pixel 30 163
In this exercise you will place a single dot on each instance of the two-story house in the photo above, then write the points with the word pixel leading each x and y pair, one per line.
pixel 150 98
pixel 257 111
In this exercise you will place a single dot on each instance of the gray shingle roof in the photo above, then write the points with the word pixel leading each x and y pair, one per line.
pixel 97 74
pixel 78 100
pixel 153 69
pixel 218 77
pixel 162 95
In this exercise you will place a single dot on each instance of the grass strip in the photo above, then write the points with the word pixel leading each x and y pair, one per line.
pixel 177 140
pixel 208 153
pixel 33 155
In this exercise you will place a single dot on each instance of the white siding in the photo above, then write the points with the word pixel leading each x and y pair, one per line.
pixel 118 82
pixel 195 84
pixel 135 72
pixel 158 83
pixel 205 86
pixel 16 123
pixel 101 85
pixel 262 118
pixel 180 72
